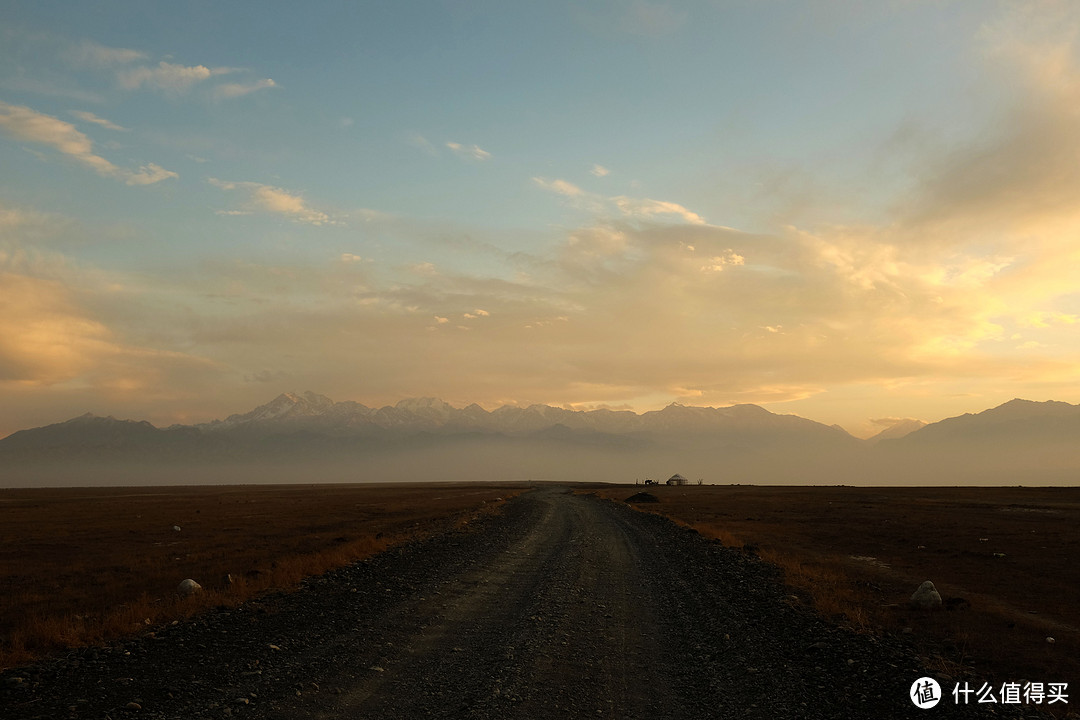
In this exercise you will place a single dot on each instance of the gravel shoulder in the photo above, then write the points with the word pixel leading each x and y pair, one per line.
pixel 562 606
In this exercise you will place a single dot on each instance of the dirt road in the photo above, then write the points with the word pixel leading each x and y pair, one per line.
pixel 562 607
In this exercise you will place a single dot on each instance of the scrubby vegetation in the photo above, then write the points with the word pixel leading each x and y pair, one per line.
pixel 83 565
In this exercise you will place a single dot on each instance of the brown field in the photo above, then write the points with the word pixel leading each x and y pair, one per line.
pixel 81 565
pixel 1007 561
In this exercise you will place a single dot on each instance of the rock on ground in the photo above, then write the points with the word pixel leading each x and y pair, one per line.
pixel 926 597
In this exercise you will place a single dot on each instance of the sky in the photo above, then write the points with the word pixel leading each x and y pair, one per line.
pixel 856 212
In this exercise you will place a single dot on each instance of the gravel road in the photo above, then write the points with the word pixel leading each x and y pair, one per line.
pixel 563 606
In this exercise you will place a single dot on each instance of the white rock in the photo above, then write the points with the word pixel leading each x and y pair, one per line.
pixel 188 587
pixel 926 597
pixel 176 528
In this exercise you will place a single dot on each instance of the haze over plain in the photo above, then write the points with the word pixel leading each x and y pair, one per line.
pixel 854 212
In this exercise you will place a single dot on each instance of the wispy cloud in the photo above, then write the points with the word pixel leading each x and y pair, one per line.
pixel 626 207
pixel 92 118
pixel 560 187
pixel 97 55
pixel 168 77
pixel 28 125
pixel 599 171
pixel 644 208
pixel 147 175
pixel 235 90
pixel 419 141
pixel 275 200
pixel 132 70
pixel 469 152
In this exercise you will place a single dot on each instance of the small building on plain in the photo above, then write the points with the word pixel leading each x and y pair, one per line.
pixel 677 479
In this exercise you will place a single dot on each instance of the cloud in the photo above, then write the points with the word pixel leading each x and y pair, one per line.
pixel 597 241
pixel 132 72
pixel 92 53
pixel 44 338
pixel 561 187
pixel 234 90
pixel 930 292
pixel 148 175
pixel 717 263
pixel 1043 319
pixel 600 171
pixel 424 269
pixel 1020 170
pixel 419 141
pixel 28 125
pixel 19 219
pixel 643 208
pixel 469 152
pixel 169 77
pixel 92 118
pixel 968 278
pixel 52 338
pixel 275 200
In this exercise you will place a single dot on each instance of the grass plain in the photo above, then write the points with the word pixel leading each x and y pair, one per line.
pixel 83 565
pixel 1006 561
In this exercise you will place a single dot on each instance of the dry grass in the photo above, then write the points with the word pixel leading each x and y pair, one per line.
pixel 80 566
pixel 1005 557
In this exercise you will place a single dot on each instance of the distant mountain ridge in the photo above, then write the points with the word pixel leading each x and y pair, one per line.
pixel 307 423
pixel 1011 421
pixel 897 430
pixel 311 411
pixel 305 433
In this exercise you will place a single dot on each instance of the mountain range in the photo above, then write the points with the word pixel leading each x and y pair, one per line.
pixel 309 436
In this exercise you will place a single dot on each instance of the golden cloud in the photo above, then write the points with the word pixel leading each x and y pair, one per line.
pixel 28 125
pixel 275 200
